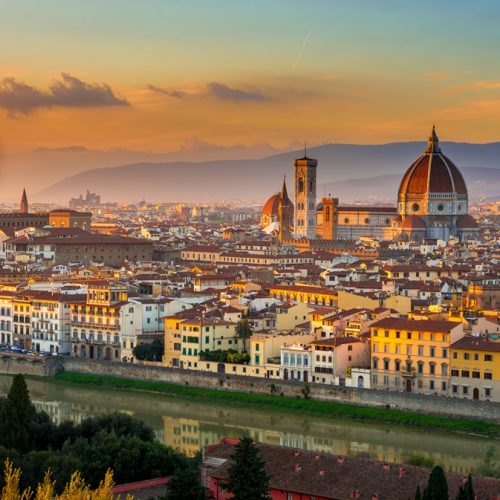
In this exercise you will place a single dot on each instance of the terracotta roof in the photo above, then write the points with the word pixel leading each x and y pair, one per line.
pixel 336 476
pixel 413 222
pixel 271 206
pixel 476 343
pixel 416 325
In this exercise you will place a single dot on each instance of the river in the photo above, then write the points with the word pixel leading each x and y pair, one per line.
pixel 190 425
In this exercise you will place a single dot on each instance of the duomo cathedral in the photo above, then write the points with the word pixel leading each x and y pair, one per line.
pixel 432 203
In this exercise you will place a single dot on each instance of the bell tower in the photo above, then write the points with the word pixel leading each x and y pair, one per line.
pixel 305 197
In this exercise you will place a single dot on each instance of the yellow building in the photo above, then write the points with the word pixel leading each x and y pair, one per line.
pixel 309 294
pixel 185 339
pixel 412 356
pixel 475 369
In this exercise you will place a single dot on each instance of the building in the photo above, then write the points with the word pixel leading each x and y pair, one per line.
pixel 300 475
pixel 96 323
pixel 305 197
pixel 413 355
pixel 23 207
pixel 432 203
pixel 278 215
pixel 475 368
pixel 70 218
pixel 90 200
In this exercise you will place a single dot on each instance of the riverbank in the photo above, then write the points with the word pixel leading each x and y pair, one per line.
pixel 324 409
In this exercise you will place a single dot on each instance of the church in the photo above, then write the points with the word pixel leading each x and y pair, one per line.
pixel 432 203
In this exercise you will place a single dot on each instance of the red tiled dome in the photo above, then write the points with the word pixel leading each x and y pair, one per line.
pixel 466 222
pixel 271 206
pixel 432 172
pixel 413 223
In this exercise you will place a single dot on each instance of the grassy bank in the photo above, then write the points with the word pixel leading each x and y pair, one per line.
pixel 322 409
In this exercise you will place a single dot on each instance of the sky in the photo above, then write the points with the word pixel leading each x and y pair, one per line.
pixel 187 75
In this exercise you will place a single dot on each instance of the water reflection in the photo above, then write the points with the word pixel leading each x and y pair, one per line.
pixel 189 425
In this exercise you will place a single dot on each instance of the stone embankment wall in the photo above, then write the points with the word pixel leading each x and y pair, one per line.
pixel 453 407
pixel 29 365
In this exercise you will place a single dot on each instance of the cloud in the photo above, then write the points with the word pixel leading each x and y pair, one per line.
pixel 179 94
pixel 20 98
pixel 225 93
pixel 215 90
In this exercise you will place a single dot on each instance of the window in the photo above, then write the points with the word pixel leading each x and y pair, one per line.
pixel 465 390
pixel 408 335
pixel 487 392
pixel 444 353
pixel 454 389
pixel 432 368
pixel 386 364
pixel 386 379
pixel 420 350
pixel 386 334
pixel 375 363
pixel 444 370
pixel 476 356
pixel 420 367
pixel 476 374
pixel 488 357
pixel 443 386
pixel 488 375
pixel 455 355
pixel 465 373
pixel 454 373
pixel 466 355
pixel 375 378
pixel 432 352
pixel 431 385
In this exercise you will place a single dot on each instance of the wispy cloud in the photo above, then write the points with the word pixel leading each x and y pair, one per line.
pixel 179 94
pixel 20 98
pixel 215 90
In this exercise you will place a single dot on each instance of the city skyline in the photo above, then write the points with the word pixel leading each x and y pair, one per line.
pixel 190 77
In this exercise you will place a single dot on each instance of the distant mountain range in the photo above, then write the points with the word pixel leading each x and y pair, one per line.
pixel 350 172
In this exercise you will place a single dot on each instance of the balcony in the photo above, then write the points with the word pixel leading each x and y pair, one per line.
pixel 409 373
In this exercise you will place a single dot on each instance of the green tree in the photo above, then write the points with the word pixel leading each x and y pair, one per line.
pixel 466 491
pixel 149 352
pixel 418 496
pixel 248 479
pixel 244 331
pixel 185 485
pixel 17 417
pixel 437 486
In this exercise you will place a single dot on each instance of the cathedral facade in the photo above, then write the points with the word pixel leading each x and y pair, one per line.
pixel 432 203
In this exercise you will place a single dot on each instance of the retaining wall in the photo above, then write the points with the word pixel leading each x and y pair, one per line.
pixel 438 405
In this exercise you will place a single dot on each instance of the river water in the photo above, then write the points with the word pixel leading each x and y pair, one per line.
pixel 189 425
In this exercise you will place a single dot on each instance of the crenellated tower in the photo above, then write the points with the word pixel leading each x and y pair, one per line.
pixel 305 197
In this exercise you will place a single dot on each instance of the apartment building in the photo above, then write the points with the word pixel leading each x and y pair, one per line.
pixel 475 368
pixel 413 355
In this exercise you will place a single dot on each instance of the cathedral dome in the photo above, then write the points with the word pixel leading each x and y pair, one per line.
pixel 271 207
pixel 433 186
pixel 432 172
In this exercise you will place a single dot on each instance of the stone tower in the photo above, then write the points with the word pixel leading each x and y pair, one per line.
pixel 305 197
pixel 23 207
pixel 285 214
pixel 330 218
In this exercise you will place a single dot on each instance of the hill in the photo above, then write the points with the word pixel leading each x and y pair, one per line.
pixel 347 171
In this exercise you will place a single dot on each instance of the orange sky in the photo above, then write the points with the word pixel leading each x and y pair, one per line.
pixel 153 77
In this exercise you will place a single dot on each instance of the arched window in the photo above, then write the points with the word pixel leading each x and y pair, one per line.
pixel 310 185
pixel 299 360
pixel 285 358
pixel 300 187
pixel 292 359
pixel 327 214
pixel 306 360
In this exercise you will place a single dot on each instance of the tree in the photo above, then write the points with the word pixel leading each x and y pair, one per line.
pixel 185 485
pixel 466 491
pixel 248 479
pixel 149 352
pixel 17 417
pixel 418 496
pixel 437 486
pixel 244 331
